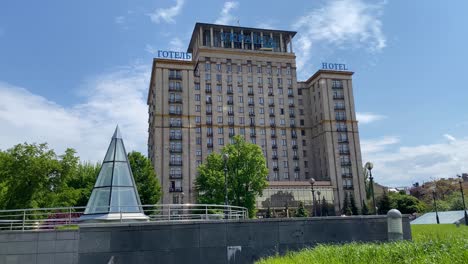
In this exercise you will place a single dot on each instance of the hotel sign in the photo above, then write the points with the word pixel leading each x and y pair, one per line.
pixel 267 41
pixel 175 55
pixel 334 66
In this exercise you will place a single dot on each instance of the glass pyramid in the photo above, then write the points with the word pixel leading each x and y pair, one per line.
pixel 114 195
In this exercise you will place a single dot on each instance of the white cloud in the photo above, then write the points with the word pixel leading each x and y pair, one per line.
pixel 150 49
pixel 450 137
pixel 167 14
pixel 177 44
pixel 225 17
pixel 343 23
pixel 119 20
pixel 397 165
pixel 366 118
pixel 118 97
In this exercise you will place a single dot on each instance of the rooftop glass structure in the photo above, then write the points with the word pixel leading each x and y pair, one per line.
pixel 114 195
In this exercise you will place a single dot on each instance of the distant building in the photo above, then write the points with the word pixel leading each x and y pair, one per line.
pixel 242 81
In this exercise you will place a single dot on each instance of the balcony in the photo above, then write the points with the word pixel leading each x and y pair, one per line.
pixel 230 113
pixel 294 135
pixel 270 93
pixel 275 168
pixel 294 146
pixel 340 107
pixel 175 100
pixel 272 124
pixel 252 124
pixel 175 150
pixel 290 95
pixel 295 157
pixel 209 122
pixel 344 152
pixel 297 169
pixel 231 134
pixel 251 103
pixel 175 163
pixel 209 112
pixel 347 175
pixel 209 134
pixel 271 104
pixel 175 76
pixel 250 93
pixel 292 115
pixel 175 175
pixel 273 135
pixel 342 129
pixel 343 140
pixel 275 157
pixel 175 189
pixel 229 91
pixel 291 104
pixel 337 86
pixel 175 137
pixel 230 102
pixel 230 123
pixel 175 89
pixel 251 114
pixel 274 146
pixel 348 187
pixel 272 114
pixel 252 135
pixel 208 91
pixel 178 113
pixel 175 124
pixel 346 163
pixel 209 101
pixel 209 145
pixel 292 125
pixel 338 96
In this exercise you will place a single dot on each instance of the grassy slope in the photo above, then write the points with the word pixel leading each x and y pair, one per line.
pixel 431 244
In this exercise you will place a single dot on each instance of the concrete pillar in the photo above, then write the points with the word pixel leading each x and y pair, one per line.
pixel 201 36
pixel 290 44
pixel 222 41
pixel 394 225
pixel 211 37
pixel 242 43
pixel 251 40
pixel 232 39
pixel 281 43
pixel 261 39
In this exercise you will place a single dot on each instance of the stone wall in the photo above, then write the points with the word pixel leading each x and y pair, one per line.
pixel 39 247
pixel 242 241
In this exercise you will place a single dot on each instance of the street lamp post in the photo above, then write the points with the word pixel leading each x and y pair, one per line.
pixel 460 181
pixel 225 157
pixel 312 182
pixel 369 167
pixel 433 188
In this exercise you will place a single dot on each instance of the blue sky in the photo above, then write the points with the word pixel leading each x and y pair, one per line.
pixel 70 71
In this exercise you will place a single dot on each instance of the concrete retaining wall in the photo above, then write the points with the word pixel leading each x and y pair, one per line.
pixel 188 242
pixel 39 247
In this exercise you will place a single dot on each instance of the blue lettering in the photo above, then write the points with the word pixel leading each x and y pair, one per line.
pixel 165 54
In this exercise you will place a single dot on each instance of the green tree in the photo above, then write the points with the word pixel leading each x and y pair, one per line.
pixel 301 212
pixel 247 172
pixel 352 205
pixel 147 183
pixel 346 210
pixel 83 181
pixel 406 204
pixel 384 204
pixel 364 209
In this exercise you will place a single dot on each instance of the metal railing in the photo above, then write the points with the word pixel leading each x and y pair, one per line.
pixel 68 217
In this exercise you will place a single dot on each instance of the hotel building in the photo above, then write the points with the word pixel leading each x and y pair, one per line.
pixel 242 81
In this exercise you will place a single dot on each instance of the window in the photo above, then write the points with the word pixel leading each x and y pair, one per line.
pixel 241 109
pixel 207 66
pixel 220 130
pixel 198 130
pixel 198 140
pixel 260 90
pixel 241 120
pixel 197 108
pixel 280 81
pixel 198 152
pixel 249 79
pixel 301 111
pixel 262 110
pixel 218 67
pixel 283 132
pixel 259 80
pixel 198 119
pixel 229 78
pixel 208 76
pixel 283 142
pixel 197 86
pixel 249 68
pixel 261 100
pixel 286 175
pixel 285 164
pixel 289 81
pixel 259 68
pixel 197 97
pixel 306 164
pixel 239 79
pixel 241 99
pixel 220 108
pixel 239 68
pixel 219 88
pixel 220 141
pixel 220 98
pixel 228 67
pixel 220 119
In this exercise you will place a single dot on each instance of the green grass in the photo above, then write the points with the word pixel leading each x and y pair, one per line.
pixel 431 244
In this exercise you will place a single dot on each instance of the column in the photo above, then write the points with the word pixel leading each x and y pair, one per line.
pixel 281 42
pixel 232 39
pixel 222 41
pixel 211 37
pixel 290 44
pixel 201 36
pixel 251 40
pixel 242 43
pixel 261 39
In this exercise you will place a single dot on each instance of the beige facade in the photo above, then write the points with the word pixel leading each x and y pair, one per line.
pixel 244 82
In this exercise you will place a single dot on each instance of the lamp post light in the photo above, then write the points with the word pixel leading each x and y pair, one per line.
pixel 312 182
pixel 433 188
pixel 318 202
pixel 225 158
pixel 460 181
pixel 369 167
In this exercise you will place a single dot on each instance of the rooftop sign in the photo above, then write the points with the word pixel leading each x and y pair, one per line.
pixel 334 66
pixel 175 55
